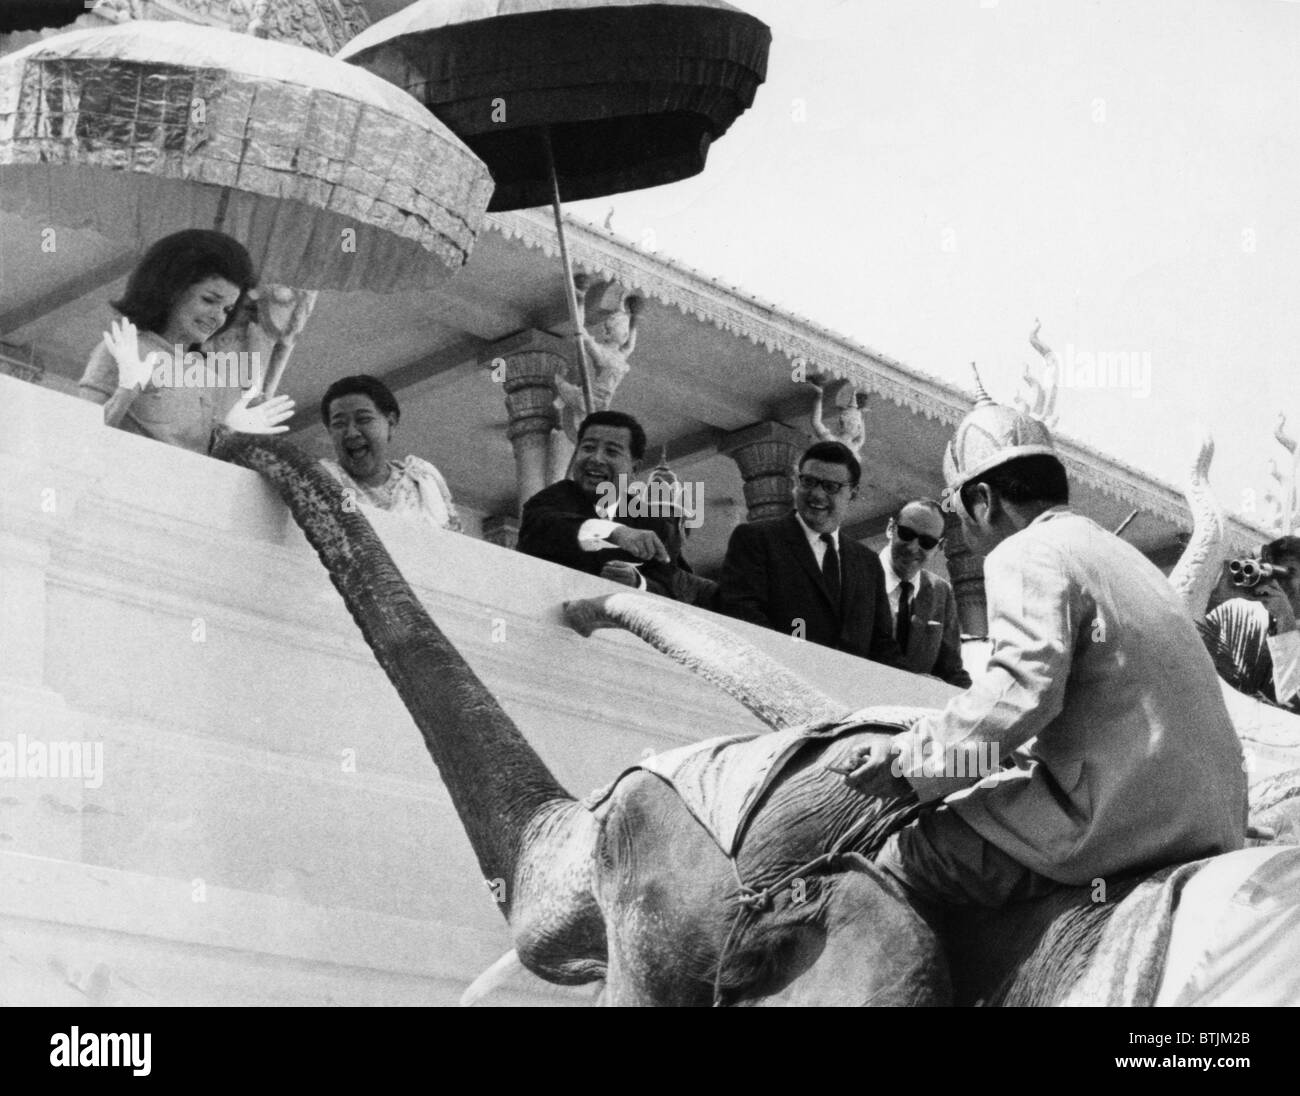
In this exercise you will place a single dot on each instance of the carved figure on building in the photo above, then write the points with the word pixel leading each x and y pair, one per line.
pixel 846 423
pixel 609 343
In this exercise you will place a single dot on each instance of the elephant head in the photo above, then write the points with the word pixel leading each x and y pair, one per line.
pixel 598 895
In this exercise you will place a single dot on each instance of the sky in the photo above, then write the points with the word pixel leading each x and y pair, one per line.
pixel 929 177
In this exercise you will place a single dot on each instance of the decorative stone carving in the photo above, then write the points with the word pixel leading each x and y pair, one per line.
pixel 766 454
pixel 966 572
pixel 526 366
pixel 282 313
pixel 609 343
pixel 272 318
pixel 846 425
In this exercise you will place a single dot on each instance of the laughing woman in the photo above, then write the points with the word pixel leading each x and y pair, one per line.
pixel 183 293
pixel 361 414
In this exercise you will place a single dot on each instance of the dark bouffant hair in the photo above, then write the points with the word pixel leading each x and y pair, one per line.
pixel 833 452
pixel 175 263
pixel 622 421
pixel 1040 478
pixel 361 385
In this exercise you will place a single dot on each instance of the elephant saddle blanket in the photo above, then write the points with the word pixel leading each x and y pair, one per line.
pixel 1223 931
pixel 722 779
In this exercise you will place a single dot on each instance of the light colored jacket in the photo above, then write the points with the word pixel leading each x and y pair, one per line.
pixel 1125 755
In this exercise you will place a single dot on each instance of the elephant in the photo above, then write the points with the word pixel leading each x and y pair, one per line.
pixel 779 903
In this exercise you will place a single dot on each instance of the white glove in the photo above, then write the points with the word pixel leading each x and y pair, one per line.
pixel 122 342
pixel 265 418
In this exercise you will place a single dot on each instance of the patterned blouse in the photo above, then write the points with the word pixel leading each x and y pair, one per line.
pixel 414 488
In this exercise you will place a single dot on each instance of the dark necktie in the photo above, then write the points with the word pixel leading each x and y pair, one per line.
pixel 831 569
pixel 903 629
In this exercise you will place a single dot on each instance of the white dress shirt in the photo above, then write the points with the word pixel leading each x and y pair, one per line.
pixel 594 534
pixel 818 545
pixel 893 584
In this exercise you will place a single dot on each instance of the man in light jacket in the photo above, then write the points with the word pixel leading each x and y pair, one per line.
pixel 1098 690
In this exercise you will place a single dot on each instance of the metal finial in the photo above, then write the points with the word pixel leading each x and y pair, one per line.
pixel 662 472
pixel 981 396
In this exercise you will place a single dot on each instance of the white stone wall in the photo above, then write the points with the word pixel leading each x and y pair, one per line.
pixel 267 827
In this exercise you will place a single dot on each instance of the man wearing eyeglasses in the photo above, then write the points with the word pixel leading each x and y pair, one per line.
pixel 922 604
pixel 797 575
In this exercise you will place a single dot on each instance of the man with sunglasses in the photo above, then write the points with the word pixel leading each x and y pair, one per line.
pixel 797 575
pixel 922 604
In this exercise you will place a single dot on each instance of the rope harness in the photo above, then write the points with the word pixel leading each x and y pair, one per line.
pixel 871 831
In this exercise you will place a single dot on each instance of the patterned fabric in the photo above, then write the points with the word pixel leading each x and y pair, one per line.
pixel 414 489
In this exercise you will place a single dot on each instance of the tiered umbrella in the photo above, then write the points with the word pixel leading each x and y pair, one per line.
pixel 331 177
pixel 573 99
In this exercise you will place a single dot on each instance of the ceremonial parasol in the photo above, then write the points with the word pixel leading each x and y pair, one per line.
pixel 573 99
pixel 331 177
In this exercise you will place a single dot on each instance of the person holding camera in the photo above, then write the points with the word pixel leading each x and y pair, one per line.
pixel 1253 636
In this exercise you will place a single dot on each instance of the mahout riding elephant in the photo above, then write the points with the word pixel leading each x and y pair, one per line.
pixel 764 897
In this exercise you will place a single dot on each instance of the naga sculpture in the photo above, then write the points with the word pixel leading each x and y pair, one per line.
pixel 1038 398
pixel 673 898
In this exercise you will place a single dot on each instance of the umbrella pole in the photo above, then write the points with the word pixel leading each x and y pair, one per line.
pixel 570 293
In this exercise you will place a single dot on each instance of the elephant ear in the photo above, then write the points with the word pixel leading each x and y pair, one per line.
pixel 868 946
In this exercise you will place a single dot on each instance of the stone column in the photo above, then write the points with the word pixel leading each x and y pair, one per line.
pixel 966 572
pixel 766 453
pixel 525 366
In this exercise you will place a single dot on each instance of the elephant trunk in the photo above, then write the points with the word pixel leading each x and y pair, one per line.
pixel 778 696
pixel 1198 569
pixel 502 791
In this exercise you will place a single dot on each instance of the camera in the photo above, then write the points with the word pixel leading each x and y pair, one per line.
pixel 1251 572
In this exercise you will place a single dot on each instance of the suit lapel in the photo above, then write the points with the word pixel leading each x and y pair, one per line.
pixel 804 554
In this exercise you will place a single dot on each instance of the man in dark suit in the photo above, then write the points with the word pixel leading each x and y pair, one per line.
pixel 795 574
pixel 923 606
pixel 577 522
